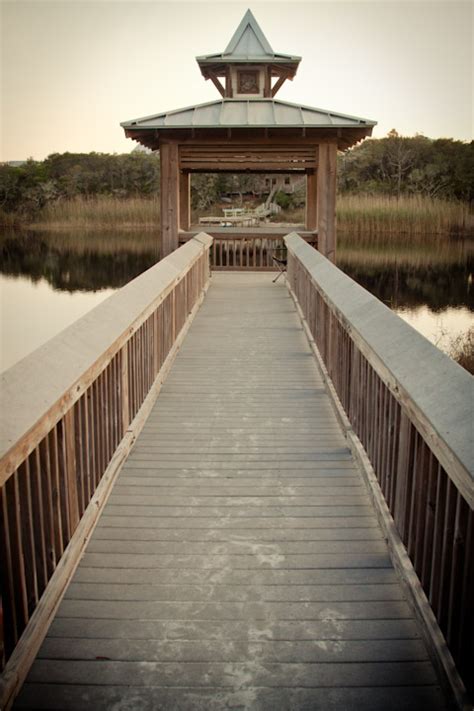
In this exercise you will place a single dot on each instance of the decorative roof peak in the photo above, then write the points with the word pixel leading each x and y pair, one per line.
pixel 248 40
pixel 248 64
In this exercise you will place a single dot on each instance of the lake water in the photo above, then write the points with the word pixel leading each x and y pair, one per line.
pixel 48 281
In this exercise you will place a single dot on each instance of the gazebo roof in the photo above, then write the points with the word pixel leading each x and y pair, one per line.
pixel 248 44
pixel 249 114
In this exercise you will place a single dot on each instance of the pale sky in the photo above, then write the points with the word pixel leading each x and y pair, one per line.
pixel 71 71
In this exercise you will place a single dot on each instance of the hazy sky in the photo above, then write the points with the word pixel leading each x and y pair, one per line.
pixel 71 71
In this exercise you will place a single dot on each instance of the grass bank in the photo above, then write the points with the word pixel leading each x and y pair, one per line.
pixel 365 217
pixel 410 215
pixel 100 214
pixel 375 216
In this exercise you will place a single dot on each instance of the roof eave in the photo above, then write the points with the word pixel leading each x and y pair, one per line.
pixel 242 59
pixel 163 127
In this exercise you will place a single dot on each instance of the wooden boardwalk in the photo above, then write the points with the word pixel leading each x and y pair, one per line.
pixel 238 562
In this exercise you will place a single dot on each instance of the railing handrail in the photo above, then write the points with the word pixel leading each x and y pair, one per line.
pixel 436 392
pixel 36 392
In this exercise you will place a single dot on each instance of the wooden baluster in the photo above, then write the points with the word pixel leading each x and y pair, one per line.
pixel 430 508
pixel 38 520
pixel 47 498
pixel 71 478
pixel 27 532
pixel 447 553
pixel 437 541
pixel 11 623
pixel 404 470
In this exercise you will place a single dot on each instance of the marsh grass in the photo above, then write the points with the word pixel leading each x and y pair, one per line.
pixel 361 217
pixel 101 213
pixel 462 350
pixel 410 216
pixel 376 217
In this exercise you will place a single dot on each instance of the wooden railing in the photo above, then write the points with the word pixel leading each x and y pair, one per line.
pixel 239 253
pixel 234 251
pixel 70 413
pixel 411 407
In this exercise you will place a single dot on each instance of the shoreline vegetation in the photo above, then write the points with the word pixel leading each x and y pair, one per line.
pixel 359 216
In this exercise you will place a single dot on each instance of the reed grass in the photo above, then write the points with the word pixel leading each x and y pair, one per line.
pixel 361 217
pixel 462 350
pixel 409 215
pixel 100 213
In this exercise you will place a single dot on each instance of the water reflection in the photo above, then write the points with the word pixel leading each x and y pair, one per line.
pixel 49 280
pixel 438 276
pixel 32 313
pixel 75 262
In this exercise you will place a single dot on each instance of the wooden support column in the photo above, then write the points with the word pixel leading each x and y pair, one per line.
pixel 311 217
pixel 169 197
pixel 184 200
pixel 327 200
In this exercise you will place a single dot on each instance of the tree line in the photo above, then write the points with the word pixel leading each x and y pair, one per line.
pixel 394 165
pixel 27 188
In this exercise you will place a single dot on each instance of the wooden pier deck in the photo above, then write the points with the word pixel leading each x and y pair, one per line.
pixel 238 562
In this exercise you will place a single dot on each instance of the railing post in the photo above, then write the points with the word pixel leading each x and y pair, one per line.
pixel 70 470
pixel 124 388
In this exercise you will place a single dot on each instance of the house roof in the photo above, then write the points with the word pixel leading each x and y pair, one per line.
pixel 247 113
pixel 248 44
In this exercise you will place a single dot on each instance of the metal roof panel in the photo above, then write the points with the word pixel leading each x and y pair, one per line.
pixel 247 112
pixel 178 118
pixel 234 113
pixel 310 117
pixel 260 113
pixel 287 114
pixel 207 115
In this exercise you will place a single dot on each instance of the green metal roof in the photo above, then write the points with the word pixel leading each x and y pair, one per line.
pixel 248 44
pixel 248 113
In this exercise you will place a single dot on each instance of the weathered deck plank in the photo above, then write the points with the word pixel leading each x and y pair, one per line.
pixel 238 562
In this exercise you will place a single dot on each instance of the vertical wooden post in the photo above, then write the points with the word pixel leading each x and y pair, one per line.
pixel 267 90
pixel 327 200
pixel 124 389
pixel 71 478
pixel 184 200
pixel 311 217
pixel 169 197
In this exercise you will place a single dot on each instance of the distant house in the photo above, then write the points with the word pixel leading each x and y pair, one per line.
pixel 284 183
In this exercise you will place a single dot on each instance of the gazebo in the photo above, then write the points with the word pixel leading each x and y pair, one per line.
pixel 248 130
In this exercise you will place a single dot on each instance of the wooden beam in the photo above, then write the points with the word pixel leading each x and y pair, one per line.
pixel 267 91
pixel 311 210
pixel 326 200
pixel 216 83
pixel 279 84
pixel 245 167
pixel 184 200
pixel 169 183
pixel 228 84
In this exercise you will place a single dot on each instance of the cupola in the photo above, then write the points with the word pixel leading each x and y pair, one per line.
pixel 248 68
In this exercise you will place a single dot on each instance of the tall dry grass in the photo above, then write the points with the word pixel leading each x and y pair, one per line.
pixel 462 350
pixel 100 213
pixel 410 215
pixel 365 217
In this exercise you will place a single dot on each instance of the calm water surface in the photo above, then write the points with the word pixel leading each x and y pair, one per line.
pixel 48 281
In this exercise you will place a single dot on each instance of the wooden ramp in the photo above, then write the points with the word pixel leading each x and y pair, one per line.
pixel 238 563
